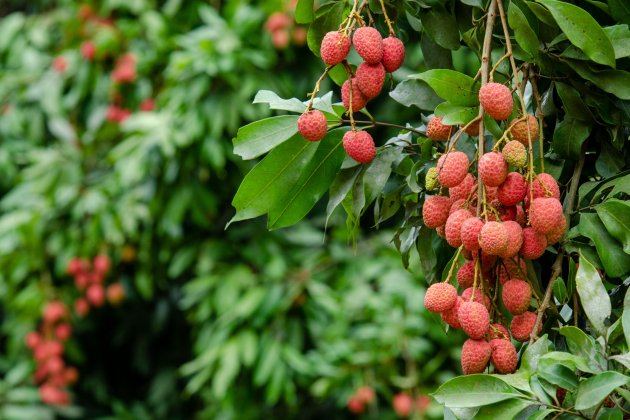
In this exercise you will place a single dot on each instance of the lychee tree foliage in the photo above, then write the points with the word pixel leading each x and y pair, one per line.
pixel 516 189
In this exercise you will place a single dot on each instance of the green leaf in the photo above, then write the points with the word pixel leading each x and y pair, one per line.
pixel 560 290
pixel 441 26
pixel 624 359
pixel 569 360
pixel 540 414
pixel 561 376
pixel 582 30
pixel 625 317
pixel 610 414
pixel 533 353
pixel 435 57
pixel 524 34
pixel 456 114
pixel 593 390
pixel 415 92
pixel 267 183
pixel 615 214
pixel 569 135
pixel 615 261
pixel 314 181
pixel 474 391
pixel 585 346
pixel 573 103
pixel 619 36
pixel 453 86
pixel 340 188
pixel 507 409
pixel 276 102
pixel 592 291
pixel 616 82
pixel 620 9
pixel 304 11
pixel 259 137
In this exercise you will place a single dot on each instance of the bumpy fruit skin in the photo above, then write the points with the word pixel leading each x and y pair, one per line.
pixel 430 180
pixel 370 78
pixel 312 125
pixel 534 244
pixel 470 233
pixel 437 131
pixel 519 131
pixel 496 100
pixel 462 190
pixel 358 99
pixel 359 145
pixel 512 190
pixel 544 185
pixel 458 205
pixel 453 227
pixel 522 326
pixel 515 153
pixel 466 275
pixel 516 295
pixel 450 315
pixel 520 216
pixel 452 168
pixel 435 211
pixel 493 238
pixel 440 297
pixel 493 169
pixel 334 48
pixel 472 130
pixel 476 296
pixel 514 239
pixel 369 44
pixel 498 331
pixel 557 233
pixel 504 357
pixel 511 268
pixel 474 318
pixel 393 54
pixel 545 214
pixel 475 356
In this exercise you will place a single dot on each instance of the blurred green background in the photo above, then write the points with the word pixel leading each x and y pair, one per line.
pixel 116 120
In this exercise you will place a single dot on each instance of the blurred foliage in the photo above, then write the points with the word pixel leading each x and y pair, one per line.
pixel 217 323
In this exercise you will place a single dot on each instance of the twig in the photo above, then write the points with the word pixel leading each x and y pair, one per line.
pixel 556 268
pixel 317 86
pixel 384 124
pixel 389 22
pixel 485 64
pixel 541 116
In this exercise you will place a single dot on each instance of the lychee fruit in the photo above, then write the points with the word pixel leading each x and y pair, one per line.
pixel 544 185
pixel 520 216
pixel 437 131
pixel 312 125
pixel 498 331
pixel 365 394
pixel 519 130
pixel 458 205
pixel 487 261
pixel 369 44
pixel 473 129
pixel 435 211
pixel 452 168
pixel 474 318
pixel 545 214
pixel 453 227
pixel 557 233
pixel 462 190
pixel 504 357
pixel 534 244
pixel 359 145
pixel 334 48
pixel 510 268
pixel 516 295
pixel 493 238
pixel 515 153
pixel 430 179
pixel 450 316
pixel 493 169
pixel 523 325
pixel 475 295
pixel 441 231
pixel 512 190
pixel 496 99
pixel 475 356
pixel 402 403
pixel 355 405
pixel 370 78
pixel 515 239
pixel 440 297
pixel 393 54
pixel 470 233
pixel 358 99
pixel 466 275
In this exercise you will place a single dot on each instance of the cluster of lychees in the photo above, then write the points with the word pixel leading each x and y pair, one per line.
pixel 89 278
pixel 403 404
pixel 517 217
pixel 380 56
pixel 47 346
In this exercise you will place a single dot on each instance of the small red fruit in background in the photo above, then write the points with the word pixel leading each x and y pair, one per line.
pixel 88 50
pixel 60 64
pixel 356 405
pixel 115 293
pixel 147 105
pixel 402 404
pixel 81 307
pixel 95 294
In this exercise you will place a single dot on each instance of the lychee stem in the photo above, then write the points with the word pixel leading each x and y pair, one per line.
pixel 450 271
pixel 541 117
pixel 384 124
pixel 316 88
pixel 389 22
pixel 350 108
pixel 496 65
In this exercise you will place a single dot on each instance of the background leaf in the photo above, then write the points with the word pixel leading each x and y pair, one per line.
pixel 595 300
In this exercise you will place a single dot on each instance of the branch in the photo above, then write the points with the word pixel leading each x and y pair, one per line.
pixel 384 124
pixel 556 268
pixel 485 64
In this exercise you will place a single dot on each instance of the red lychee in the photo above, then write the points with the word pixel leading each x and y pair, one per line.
pixel 437 131
pixel 519 130
pixel 359 145
pixel 470 233
pixel 493 238
pixel 440 297
pixel 462 190
pixel 545 214
pixel 452 167
pixel 493 169
pixel 475 356
pixel 370 78
pixel 312 125
pixel 435 211
pixel 545 185
pixel 334 48
pixel 523 325
pixel 496 99
pixel 450 316
pixel 516 296
pixel 393 54
pixel 453 227
pixel 474 319
pixel 515 239
pixel 534 244
pixel 512 190
pixel 358 99
pixel 368 43
pixel 504 357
